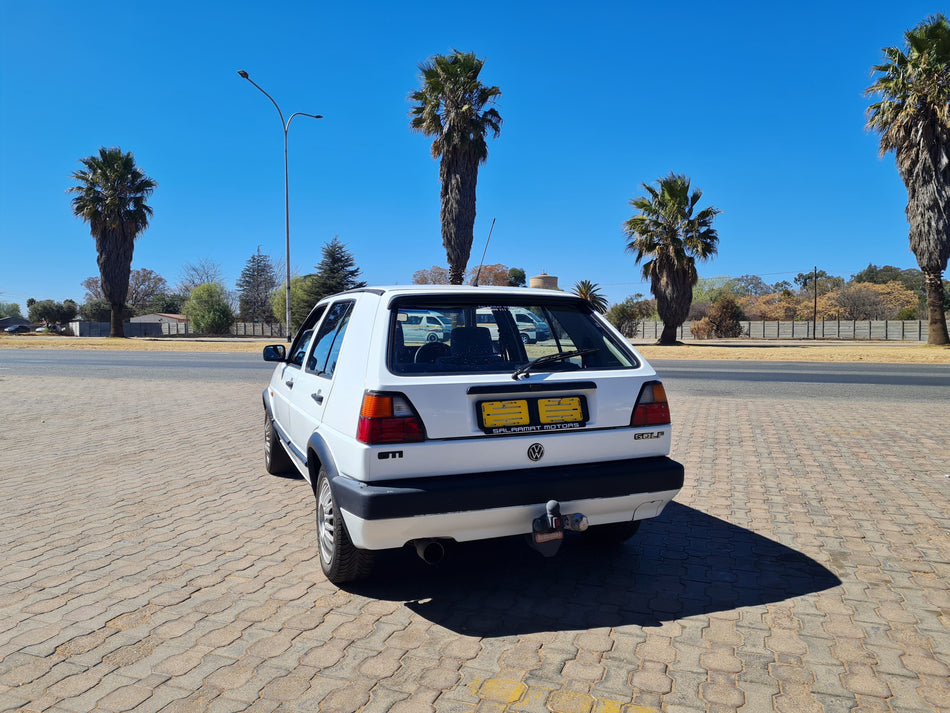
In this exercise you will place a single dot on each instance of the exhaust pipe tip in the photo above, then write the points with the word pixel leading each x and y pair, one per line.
pixel 430 551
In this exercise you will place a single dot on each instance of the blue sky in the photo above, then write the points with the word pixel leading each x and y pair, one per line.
pixel 760 104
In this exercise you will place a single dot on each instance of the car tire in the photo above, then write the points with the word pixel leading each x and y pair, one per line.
pixel 432 337
pixel 276 460
pixel 525 338
pixel 340 560
pixel 611 535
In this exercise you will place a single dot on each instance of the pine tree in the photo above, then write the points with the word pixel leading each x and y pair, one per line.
pixel 337 272
pixel 255 285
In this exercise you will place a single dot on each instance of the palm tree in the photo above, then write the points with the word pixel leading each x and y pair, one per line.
pixel 450 105
pixel 913 119
pixel 590 291
pixel 668 233
pixel 111 197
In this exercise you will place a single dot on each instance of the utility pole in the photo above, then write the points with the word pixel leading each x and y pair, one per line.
pixel 814 326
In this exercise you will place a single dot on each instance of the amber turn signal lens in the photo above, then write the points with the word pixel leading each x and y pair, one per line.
pixel 375 406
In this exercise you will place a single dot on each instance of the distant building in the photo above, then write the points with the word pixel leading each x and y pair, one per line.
pixel 544 281
pixel 14 322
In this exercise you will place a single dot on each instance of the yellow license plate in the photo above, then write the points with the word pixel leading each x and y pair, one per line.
pixel 496 414
pixel 563 410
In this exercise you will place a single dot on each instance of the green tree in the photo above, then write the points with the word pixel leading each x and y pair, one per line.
pixel 516 277
pixel 168 303
pixel 258 279
pixel 911 279
pixel 300 301
pixel 208 310
pixel 670 238
pixel 98 310
pixel 750 285
pixel 10 309
pixel 709 289
pixel 450 105
pixel 111 196
pixel 913 120
pixel 337 272
pixel 826 283
pixel 52 313
pixel 590 291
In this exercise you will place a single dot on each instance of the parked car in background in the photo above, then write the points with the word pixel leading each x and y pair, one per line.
pixel 527 329
pixel 527 317
pixel 426 326
pixel 17 329
pixel 474 435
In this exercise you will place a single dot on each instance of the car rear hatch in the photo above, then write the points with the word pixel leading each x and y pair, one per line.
pixel 482 399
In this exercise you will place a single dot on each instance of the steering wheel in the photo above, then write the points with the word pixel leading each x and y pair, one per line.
pixel 430 351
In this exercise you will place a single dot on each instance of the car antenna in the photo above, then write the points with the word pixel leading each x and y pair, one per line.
pixel 479 271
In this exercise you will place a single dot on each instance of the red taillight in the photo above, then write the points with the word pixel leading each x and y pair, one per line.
pixel 388 418
pixel 652 408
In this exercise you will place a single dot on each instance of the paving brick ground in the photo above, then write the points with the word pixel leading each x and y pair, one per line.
pixel 148 563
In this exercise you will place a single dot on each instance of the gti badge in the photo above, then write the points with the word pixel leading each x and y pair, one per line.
pixel 535 451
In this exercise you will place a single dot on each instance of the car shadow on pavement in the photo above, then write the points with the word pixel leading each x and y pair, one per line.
pixel 680 564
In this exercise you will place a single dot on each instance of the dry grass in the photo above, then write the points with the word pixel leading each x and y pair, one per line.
pixel 135 344
pixel 802 350
pixel 747 350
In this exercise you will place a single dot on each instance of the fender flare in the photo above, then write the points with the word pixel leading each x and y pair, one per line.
pixel 322 450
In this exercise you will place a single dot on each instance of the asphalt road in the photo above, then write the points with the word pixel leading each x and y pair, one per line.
pixel 807 380
pixel 794 380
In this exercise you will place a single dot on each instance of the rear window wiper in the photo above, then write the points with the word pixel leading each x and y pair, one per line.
pixel 548 359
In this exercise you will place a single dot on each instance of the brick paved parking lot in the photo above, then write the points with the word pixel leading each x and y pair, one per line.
pixel 148 563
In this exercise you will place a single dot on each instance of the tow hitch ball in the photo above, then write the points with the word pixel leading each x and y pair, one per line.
pixel 547 531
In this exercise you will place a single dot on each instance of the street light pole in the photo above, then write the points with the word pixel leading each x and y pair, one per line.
pixel 286 127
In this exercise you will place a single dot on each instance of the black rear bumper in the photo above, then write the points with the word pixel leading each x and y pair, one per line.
pixel 508 488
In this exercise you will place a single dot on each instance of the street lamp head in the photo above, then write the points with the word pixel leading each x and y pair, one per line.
pixel 243 74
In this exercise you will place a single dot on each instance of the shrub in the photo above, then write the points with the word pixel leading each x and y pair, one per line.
pixel 208 309
pixel 626 315
pixel 703 329
pixel 725 316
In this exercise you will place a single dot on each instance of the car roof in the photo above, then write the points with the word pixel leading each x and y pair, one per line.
pixel 394 290
pixel 432 293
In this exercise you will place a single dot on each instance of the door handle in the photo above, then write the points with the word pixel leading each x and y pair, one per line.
pixel 318 397
pixel 289 383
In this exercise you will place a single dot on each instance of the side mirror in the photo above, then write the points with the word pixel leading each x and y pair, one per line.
pixel 275 352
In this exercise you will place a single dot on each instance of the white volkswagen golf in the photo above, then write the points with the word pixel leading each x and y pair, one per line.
pixel 407 441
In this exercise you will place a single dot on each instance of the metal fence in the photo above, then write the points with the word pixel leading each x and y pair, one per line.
pixel 102 329
pixel 238 329
pixel 915 331
pixel 81 328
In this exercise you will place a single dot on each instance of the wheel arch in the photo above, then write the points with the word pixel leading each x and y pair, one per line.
pixel 319 456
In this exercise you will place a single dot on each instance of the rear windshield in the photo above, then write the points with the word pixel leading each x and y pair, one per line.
pixel 430 337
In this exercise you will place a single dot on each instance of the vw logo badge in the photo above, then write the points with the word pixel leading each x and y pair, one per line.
pixel 536 451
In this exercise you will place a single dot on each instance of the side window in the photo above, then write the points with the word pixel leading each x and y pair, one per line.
pixel 298 350
pixel 329 339
pixel 300 347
